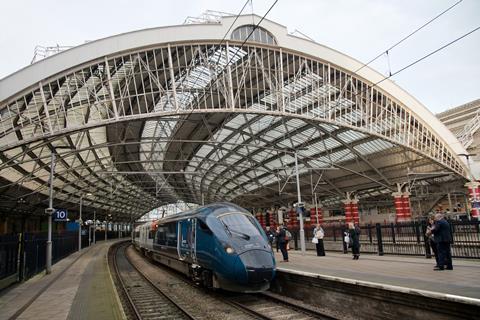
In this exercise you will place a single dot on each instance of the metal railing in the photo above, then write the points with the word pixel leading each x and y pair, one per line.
pixel 25 262
pixel 9 245
pixel 406 238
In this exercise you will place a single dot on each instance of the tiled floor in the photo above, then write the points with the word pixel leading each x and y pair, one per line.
pixel 83 291
pixel 409 272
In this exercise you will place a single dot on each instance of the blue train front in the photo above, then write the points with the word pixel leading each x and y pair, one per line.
pixel 220 245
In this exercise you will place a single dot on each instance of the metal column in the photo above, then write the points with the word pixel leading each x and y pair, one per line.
pixel 299 209
pixel 49 211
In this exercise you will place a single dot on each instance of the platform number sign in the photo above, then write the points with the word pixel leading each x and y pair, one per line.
pixel 60 215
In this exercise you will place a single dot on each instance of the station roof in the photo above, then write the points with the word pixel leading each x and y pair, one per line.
pixel 214 110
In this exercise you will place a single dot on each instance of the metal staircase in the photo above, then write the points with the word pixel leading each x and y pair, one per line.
pixel 466 135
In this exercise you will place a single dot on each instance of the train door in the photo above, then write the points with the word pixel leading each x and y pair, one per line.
pixel 186 240
pixel 193 232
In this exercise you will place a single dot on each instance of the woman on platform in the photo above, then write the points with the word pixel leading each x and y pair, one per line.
pixel 354 233
pixel 318 234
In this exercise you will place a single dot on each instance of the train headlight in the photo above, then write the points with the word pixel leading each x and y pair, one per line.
pixel 229 250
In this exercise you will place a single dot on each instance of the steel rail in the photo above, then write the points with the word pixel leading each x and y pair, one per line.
pixel 239 306
pixel 303 311
pixel 122 284
pixel 161 292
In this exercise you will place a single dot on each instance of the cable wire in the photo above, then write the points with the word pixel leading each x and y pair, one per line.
pixel 408 36
pixel 430 54
pixel 409 65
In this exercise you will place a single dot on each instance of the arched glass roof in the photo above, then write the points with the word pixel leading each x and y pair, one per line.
pixel 204 121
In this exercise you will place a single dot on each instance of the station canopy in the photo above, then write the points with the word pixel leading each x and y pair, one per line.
pixel 212 110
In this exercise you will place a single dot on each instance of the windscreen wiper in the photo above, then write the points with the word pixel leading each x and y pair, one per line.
pixel 243 235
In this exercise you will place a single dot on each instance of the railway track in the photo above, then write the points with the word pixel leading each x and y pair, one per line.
pixel 267 306
pixel 257 306
pixel 145 299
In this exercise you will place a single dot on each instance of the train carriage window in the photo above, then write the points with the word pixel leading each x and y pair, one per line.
pixel 203 226
pixel 171 234
pixel 151 234
pixel 162 235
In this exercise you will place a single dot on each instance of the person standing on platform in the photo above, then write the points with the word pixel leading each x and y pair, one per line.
pixel 277 233
pixel 354 234
pixel 283 241
pixel 270 236
pixel 318 233
pixel 443 239
pixel 431 240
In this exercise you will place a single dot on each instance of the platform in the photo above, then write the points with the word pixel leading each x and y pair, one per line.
pixel 79 287
pixel 399 271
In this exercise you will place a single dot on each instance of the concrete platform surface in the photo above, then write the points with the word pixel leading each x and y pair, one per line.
pixel 79 287
pixel 401 271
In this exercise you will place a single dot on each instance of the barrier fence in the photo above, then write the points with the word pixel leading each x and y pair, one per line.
pixel 407 238
pixel 22 258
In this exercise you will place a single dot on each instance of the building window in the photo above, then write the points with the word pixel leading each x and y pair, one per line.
pixel 259 35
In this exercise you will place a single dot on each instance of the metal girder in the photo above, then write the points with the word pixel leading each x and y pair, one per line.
pixel 189 81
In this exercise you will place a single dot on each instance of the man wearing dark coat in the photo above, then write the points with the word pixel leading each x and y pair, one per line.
pixel 354 234
pixel 270 236
pixel 282 241
pixel 443 239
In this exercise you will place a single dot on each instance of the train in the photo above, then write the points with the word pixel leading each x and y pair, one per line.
pixel 220 245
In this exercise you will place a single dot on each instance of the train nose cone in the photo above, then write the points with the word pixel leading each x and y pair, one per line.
pixel 259 265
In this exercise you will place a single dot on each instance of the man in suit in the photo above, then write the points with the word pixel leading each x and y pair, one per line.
pixel 443 239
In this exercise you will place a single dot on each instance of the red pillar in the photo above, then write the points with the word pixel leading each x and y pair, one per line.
pixel 474 196
pixel 313 216
pixel 261 219
pixel 407 211
pixel 293 219
pixel 354 211
pixel 272 221
pixel 348 210
pixel 398 202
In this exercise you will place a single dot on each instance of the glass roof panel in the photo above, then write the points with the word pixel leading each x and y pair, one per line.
pixel 328 127
pixel 221 134
pixel 274 164
pixel 204 150
pixel 351 136
pixel 373 146
pixel 261 124
pixel 354 116
pixel 319 163
pixel 274 133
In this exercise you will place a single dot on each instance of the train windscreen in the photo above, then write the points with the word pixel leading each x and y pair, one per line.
pixel 240 224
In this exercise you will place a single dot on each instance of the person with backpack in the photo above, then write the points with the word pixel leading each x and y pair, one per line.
pixel 283 241
pixel 318 235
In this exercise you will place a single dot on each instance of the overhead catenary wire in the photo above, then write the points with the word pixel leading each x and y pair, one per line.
pixel 408 66
pixel 427 55
pixel 435 51
pixel 409 35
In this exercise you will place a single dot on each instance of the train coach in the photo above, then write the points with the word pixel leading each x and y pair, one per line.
pixel 220 245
